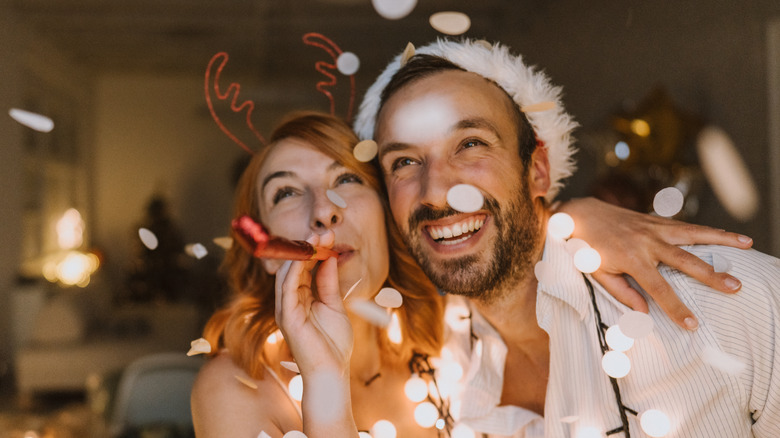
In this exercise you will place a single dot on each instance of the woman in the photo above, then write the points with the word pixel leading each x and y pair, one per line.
pixel 353 376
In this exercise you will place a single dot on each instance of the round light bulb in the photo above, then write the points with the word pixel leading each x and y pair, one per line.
pixel 617 340
pixel 440 423
pixel 616 364
pixel 587 260
pixel 426 414
pixel 655 423
pixel 416 389
pixel 383 429
pixel 560 226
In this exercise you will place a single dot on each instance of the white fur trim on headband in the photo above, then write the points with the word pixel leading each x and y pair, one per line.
pixel 523 83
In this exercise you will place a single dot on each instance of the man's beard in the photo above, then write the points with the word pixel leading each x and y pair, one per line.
pixel 476 276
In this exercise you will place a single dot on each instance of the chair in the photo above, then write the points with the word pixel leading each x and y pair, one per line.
pixel 154 391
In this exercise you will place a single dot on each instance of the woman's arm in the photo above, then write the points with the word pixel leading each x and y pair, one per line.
pixel 634 244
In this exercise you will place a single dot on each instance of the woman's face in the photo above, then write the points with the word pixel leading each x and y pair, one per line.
pixel 292 190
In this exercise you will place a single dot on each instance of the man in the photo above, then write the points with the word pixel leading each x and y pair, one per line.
pixel 474 114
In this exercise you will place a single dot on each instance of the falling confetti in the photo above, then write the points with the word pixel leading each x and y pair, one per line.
pixel 199 346
pixel 292 366
pixel 263 435
pixel 655 423
pixel 668 202
pixel 223 242
pixel 465 198
pixel 545 273
pixel 450 23
pixel 538 107
pixel 560 225
pixel 484 43
pixel 196 250
pixel 569 419
pixel 365 151
pixel 294 434
pixel 616 364
pixel 720 263
pixel 407 54
pixel 389 297
pixel 352 288
pixel 348 63
pixel 336 198
pixel 148 238
pixel 587 260
pixel 617 340
pixel 394 334
pixel 394 9
pixel 32 120
pixel 722 361
pixel 370 312
pixel 296 387
pixel 246 381
pixel 635 325
pixel 383 429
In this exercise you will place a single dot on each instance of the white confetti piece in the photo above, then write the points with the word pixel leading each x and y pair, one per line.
pixel 348 63
pixel 569 419
pixel 560 225
pixel 292 366
pixel 370 312
pixel 636 325
pixel 465 198
pixel 383 429
pixel 295 387
pixel 352 288
pixel 617 340
pixel 720 263
pixel 389 297
pixel 148 238
pixel 336 198
pixel 587 260
pixel 484 43
pixel 545 273
pixel 575 244
pixel 248 383
pixel 294 434
pixel 394 333
pixel 223 242
pixel 394 9
pixel 199 346
pixel 722 361
pixel 616 364
pixel 32 120
pixel 407 54
pixel 450 22
pixel 196 250
pixel 365 151
pixel 538 107
pixel 655 423
pixel 263 435
pixel 668 202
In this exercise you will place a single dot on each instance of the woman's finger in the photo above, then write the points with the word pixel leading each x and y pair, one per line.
pixel 618 287
pixel 328 284
pixel 659 289
pixel 697 268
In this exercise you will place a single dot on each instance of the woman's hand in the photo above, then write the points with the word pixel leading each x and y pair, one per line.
pixel 634 243
pixel 314 325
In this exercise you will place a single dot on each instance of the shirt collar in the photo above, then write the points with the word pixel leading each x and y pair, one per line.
pixel 566 284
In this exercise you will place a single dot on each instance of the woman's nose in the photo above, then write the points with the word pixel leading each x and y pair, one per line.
pixel 325 213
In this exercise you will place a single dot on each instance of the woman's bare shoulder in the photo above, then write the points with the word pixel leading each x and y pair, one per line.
pixel 227 402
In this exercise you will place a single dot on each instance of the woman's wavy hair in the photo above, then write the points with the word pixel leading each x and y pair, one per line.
pixel 244 324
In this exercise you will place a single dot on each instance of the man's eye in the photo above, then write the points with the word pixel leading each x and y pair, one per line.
pixel 284 192
pixel 473 142
pixel 402 162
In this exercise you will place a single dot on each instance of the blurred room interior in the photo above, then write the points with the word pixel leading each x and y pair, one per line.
pixel 134 145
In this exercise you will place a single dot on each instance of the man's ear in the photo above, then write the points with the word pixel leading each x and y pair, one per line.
pixel 271 265
pixel 539 172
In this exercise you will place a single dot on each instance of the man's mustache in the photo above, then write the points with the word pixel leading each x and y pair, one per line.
pixel 425 213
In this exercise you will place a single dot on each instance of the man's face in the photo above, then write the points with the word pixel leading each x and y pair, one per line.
pixel 455 127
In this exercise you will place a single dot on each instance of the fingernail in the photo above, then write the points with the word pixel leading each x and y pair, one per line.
pixel 691 323
pixel 732 283
pixel 744 239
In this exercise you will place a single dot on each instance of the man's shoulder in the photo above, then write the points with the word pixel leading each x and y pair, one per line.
pixel 744 264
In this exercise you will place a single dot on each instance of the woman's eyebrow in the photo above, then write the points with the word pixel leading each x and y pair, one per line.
pixel 279 174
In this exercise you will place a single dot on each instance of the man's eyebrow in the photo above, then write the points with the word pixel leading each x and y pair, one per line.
pixel 279 174
pixel 392 147
pixel 478 123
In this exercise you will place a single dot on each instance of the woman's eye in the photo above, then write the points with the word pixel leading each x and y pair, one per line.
pixel 401 162
pixel 348 178
pixel 284 192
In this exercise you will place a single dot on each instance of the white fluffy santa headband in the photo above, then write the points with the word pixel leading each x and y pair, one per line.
pixel 528 88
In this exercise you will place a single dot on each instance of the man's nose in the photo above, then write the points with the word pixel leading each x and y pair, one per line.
pixel 438 177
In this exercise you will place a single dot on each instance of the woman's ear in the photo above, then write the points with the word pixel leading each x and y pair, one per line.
pixel 271 265
pixel 539 172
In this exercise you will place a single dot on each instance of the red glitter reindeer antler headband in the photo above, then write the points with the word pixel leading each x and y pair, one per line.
pixel 324 67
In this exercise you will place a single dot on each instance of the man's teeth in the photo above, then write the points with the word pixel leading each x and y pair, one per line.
pixel 455 230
